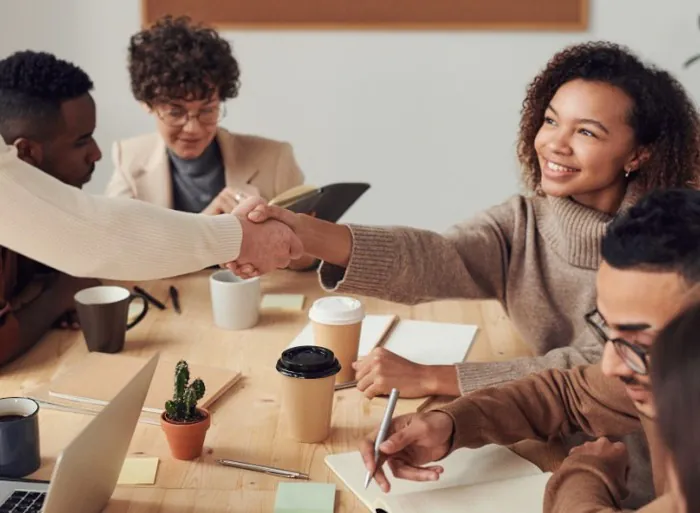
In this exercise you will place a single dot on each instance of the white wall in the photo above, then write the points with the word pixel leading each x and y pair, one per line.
pixel 429 118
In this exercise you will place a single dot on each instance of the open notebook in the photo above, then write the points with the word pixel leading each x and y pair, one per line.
pixel 425 342
pixel 485 480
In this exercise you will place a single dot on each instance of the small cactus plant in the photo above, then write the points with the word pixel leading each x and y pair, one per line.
pixel 183 406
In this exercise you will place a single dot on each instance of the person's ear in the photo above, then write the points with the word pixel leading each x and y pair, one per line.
pixel 146 107
pixel 29 151
pixel 640 157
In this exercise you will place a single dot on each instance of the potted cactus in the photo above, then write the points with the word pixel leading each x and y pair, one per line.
pixel 184 424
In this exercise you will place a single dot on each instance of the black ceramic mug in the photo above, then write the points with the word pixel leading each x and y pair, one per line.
pixel 103 312
pixel 19 437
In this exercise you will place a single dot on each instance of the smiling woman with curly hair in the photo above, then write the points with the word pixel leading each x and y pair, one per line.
pixel 599 129
pixel 183 73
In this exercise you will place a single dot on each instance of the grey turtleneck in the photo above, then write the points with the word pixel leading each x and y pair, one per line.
pixel 196 182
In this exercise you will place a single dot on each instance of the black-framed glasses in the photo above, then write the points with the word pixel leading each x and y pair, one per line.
pixel 634 356
pixel 178 117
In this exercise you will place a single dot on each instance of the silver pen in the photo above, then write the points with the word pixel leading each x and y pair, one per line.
pixel 343 386
pixel 263 468
pixel 383 430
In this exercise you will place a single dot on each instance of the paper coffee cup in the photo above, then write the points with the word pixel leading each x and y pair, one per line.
pixel 337 324
pixel 309 375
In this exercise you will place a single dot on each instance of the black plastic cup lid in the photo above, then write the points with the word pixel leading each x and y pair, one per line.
pixel 308 362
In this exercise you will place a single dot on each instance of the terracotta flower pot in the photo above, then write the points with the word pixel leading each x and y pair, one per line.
pixel 186 440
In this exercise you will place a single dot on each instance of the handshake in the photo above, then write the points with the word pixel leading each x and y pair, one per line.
pixel 269 238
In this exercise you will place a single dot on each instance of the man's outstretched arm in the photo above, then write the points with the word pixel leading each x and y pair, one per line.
pixel 123 239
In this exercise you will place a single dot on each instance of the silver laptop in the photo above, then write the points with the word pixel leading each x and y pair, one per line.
pixel 87 470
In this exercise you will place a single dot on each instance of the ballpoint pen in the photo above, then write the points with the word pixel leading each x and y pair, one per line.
pixel 175 298
pixel 343 386
pixel 149 297
pixel 263 468
pixel 383 430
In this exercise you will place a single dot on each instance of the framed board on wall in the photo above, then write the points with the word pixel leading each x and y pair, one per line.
pixel 569 15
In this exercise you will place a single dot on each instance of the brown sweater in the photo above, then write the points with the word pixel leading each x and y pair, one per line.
pixel 554 404
pixel 537 255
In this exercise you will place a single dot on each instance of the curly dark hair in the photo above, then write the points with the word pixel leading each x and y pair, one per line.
pixel 33 85
pixel 177 59
pixel 664 118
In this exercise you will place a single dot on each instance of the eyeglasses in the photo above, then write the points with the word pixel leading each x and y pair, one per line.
pixel 634 356
pixel 178 117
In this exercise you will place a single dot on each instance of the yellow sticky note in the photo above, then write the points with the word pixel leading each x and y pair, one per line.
pixel 138 471
pixel 283 301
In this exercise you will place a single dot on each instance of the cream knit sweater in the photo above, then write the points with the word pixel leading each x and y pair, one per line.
pixel 94 236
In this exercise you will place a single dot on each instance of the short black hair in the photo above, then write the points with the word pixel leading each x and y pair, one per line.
pixel 661 233
pixel 675 381
pixel 177 59
pixel 33 85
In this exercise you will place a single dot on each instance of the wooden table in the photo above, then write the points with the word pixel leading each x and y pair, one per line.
pixel 246 421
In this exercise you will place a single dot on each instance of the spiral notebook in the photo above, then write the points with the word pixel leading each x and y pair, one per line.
pixel 489 479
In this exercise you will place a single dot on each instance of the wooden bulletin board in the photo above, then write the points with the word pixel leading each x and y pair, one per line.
pixel 377 14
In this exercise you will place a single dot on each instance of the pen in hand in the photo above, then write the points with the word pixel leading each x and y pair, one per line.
pixel 383 431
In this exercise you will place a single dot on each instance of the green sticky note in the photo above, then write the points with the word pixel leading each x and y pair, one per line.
pixel 305 498
pixel 283 301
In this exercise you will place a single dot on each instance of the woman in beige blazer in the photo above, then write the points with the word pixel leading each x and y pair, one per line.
pixel 182 74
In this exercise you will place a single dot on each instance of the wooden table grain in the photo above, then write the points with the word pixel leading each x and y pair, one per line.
pixel 246 423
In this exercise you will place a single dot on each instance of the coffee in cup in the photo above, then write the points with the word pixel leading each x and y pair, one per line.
pixel 308 374
pixel 19 437
pixel 337 324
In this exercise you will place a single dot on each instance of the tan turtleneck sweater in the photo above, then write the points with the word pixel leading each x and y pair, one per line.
pixel 122 239
pixel 537 255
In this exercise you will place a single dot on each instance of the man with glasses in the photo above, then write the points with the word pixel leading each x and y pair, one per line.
pixel 650 272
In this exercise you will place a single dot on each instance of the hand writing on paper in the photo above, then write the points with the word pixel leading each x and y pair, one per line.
pixel 414 440
pixel 228 199
pixel 265 246
pixel 257 211
pixel 381 370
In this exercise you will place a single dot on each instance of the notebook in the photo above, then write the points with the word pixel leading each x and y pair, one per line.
pixel 328 203
pixel 425 342
pixel 489 479
pixel 98 377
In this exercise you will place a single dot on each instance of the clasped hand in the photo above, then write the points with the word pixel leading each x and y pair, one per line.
pixel 269 240
pixel 266 246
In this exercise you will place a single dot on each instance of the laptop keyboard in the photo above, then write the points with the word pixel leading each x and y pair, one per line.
pixel 23 502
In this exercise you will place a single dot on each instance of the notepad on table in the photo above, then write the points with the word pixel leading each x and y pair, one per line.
pixel 137 471
pixel 98 377
pixel 425 342
pixel 305 498
pixel 282 301
pixel 488 479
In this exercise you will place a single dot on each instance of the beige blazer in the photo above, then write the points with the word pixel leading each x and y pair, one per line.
pixel 142 169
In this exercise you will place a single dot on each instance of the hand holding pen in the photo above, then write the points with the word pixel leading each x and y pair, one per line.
pixel 414 441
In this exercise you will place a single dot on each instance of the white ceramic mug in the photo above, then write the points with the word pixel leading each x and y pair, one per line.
pixel 235 302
